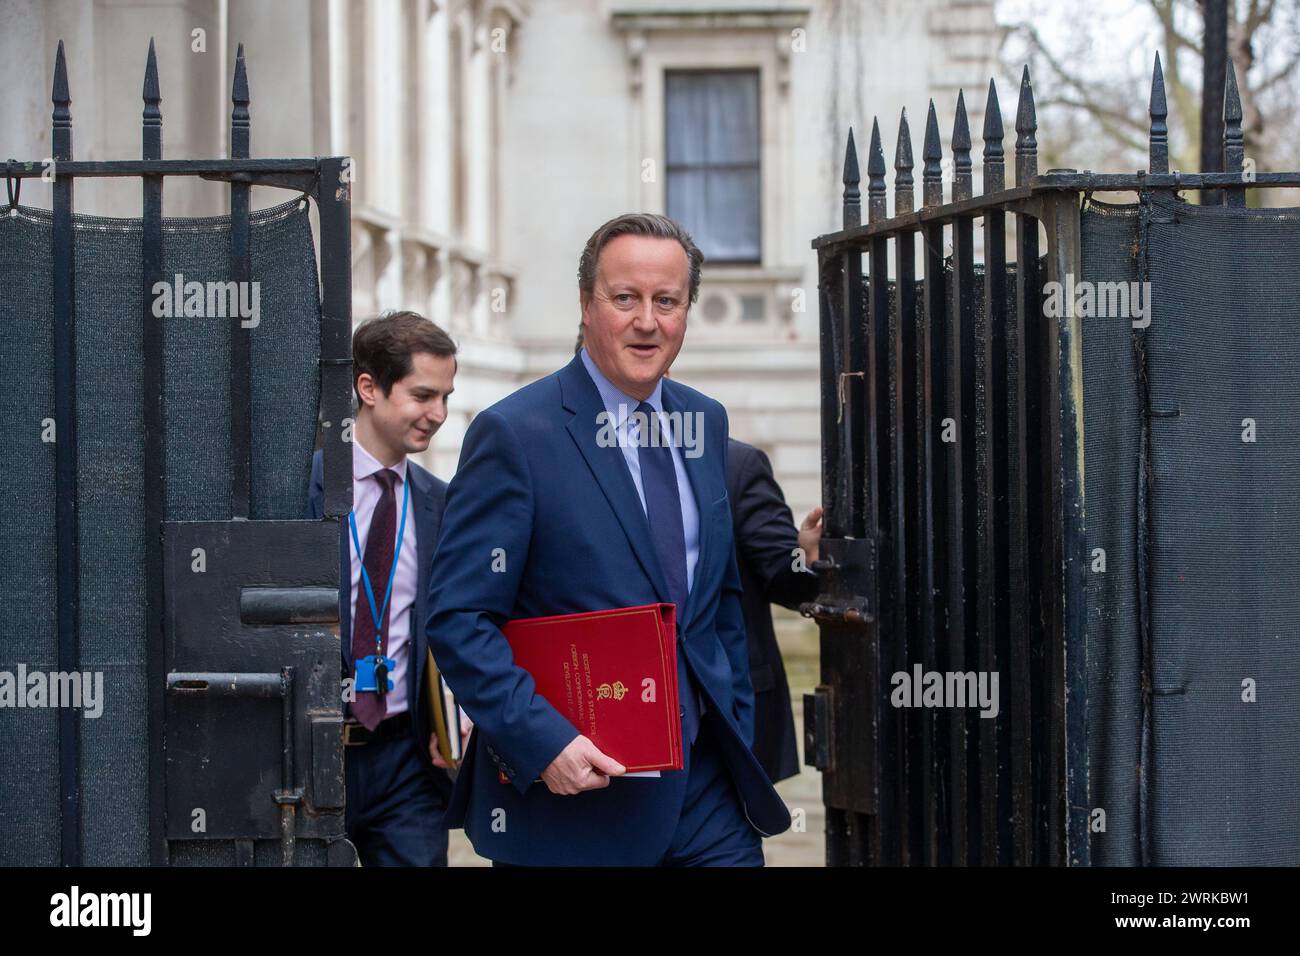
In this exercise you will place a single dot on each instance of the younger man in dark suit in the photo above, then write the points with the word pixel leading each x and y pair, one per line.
pixel 403 368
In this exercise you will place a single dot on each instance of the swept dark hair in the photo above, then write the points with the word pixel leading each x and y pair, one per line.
pixel 383 347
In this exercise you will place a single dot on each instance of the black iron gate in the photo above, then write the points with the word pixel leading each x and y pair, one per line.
pixel 159 550
pixel 957 414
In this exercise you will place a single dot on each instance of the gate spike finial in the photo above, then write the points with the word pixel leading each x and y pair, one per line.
pixel 152 116
pixel 903 201
pixel 239 124
pixel 994 164
pixel 875 175
pixel 1234 143
pixel 239 94
pixel 62 115
pixel 852 198
pixel 151 91
pixel 1231 107
pixel 60 94
pixel 931 154
pixel 1231 98
pixel 961 180
pixel 1026 127
pixel 1158 143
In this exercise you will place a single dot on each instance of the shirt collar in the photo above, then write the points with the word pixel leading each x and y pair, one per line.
pixel 365 464
pixel 617 402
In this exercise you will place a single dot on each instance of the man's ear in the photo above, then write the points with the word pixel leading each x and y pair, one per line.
pixel 366 388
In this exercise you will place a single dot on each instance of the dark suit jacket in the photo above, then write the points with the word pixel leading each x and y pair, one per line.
pixel 428 498
pixel 766 537
pixel 537 489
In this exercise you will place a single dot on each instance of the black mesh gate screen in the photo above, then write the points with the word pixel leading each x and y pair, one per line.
pixel 285 346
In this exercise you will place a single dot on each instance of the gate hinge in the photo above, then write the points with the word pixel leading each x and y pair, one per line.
pixel 817 728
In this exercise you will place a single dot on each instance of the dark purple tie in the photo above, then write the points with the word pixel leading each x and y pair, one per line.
pixel 369 707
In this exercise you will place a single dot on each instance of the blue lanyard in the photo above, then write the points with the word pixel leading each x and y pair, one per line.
pixel 378 615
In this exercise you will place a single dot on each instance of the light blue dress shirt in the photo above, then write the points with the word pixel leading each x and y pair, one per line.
pixel 620 405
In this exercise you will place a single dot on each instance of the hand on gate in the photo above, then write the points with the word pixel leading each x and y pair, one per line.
pixel 810 535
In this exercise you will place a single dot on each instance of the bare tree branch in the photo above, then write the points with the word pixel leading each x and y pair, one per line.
pixel 1186 104
pixel 1277 77
pixel 1118 117
pixel 1170 29
pixel 1087 100
pixel 1241 37
pixel 1254 25
pixel 1257 15
pixel 1110 122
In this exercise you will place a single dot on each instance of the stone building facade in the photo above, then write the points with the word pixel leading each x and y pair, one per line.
pixel 491 137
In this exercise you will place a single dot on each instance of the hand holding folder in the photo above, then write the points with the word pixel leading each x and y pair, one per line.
pixel 613 674
pixel 443 716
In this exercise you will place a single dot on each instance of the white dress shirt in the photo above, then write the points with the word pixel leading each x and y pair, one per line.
pixel 620 405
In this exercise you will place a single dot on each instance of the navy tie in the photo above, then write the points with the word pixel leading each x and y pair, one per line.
pixel 663 505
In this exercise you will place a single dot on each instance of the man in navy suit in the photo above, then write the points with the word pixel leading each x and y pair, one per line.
pixel 547 515
pixel 767 543
pixel 397 782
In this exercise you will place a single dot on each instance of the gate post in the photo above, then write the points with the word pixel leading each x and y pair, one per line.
pixel 1065 547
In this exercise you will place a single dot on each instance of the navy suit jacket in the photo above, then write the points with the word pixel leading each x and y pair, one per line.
pixel 428 498
pixel 540 520
pixel 766 538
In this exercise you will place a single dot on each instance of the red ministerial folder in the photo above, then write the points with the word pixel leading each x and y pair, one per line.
pixel 613 674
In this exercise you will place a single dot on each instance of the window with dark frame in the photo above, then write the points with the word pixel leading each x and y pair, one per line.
pixel 712 139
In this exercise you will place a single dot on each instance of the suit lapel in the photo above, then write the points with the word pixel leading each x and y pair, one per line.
pixel 579 395
pixel 426 534
pixel 695 471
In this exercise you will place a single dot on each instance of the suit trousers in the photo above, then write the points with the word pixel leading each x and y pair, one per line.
pixel 712 829
pixel 394 813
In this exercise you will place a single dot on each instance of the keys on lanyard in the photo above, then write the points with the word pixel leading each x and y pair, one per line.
pixel 372 674
pixel 373 670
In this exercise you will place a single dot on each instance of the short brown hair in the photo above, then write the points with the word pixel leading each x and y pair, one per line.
pixel 638 224
pixel 383 347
